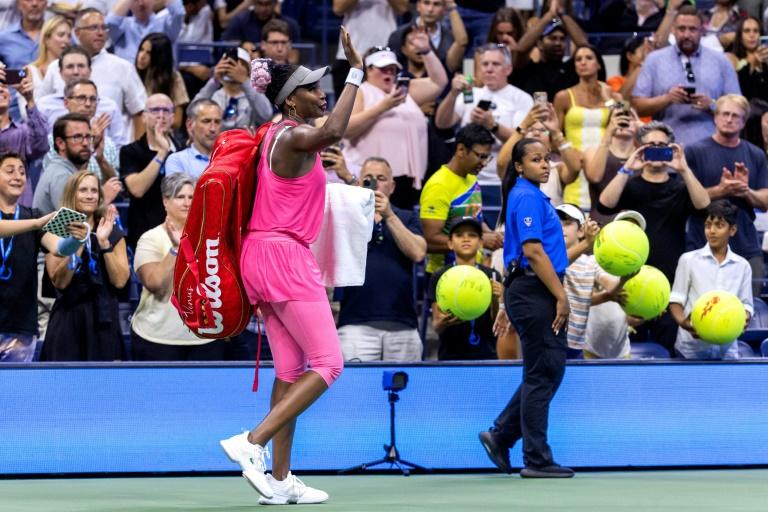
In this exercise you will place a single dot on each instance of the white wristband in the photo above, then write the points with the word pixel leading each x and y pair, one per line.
pixel 564 146
pixel 355 77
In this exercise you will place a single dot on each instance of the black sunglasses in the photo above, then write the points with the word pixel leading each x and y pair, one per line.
pixel 689 72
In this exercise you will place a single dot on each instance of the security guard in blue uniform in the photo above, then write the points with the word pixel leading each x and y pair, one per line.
pixel 535 257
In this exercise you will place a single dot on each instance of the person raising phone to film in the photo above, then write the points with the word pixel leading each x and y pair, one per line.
pixel 657 182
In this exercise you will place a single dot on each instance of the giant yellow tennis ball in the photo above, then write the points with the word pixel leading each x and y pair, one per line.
pixel 647 293
pixel 621 248
pixel 718 317
pixel 464 291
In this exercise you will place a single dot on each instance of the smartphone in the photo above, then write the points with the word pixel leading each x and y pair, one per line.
pixel 370 183
pixel 330 149
pixel 763 40
pixel 658 154
pixel 63 218
pixel 14 76
pixel 690 91
pixel 231 54
pixel 621 108
pixel 484 104
pixel 403 82
pixel 540 97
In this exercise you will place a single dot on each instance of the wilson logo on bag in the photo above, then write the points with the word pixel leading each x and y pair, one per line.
pixel 208 289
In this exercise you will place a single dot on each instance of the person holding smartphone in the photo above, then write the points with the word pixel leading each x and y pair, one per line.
pixel 657 182
pixel 231 88
pixel 497 106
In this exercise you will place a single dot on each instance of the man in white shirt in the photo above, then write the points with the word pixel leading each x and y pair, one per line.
pixel 74 64
pixel 116 78
pixel 203 126
pixel 497 106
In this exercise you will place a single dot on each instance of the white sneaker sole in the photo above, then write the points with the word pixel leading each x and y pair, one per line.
pixel 256 480
pixel 277 501
pixel 259 483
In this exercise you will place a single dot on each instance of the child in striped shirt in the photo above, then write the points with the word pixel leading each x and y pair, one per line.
pixel 590 291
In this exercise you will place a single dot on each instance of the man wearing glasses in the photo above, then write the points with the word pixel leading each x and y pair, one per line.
pixel 116 78
pixel 453 192
pixel 377 321
pixel 74 65
pixel 72 137
pixel 80 97
pixel 679 84
pixel 142 167
pixel 276 43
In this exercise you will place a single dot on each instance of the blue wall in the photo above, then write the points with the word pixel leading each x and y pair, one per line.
pixel 141 419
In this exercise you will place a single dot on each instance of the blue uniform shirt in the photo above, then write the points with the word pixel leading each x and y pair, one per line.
pixel 530 216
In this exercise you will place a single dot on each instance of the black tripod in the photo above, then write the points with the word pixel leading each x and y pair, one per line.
pixel 392 456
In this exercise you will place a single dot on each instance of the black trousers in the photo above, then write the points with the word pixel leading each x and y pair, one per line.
pixel 145 350
pixel 531 307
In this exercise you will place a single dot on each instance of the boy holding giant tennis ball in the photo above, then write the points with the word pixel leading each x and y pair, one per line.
pixel 465 297
pixel 714 267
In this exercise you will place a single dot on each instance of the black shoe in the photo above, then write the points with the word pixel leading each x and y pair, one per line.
pixel 498 454
pixel 553 471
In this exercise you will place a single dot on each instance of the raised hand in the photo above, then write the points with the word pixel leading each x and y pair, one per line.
pixel 636 161
pixel 459 83
pixel 591 229
pixel 104 229
pixel 393 99
pixel 174 231
pixel 110 189
pixel 353 57
pixel 679 164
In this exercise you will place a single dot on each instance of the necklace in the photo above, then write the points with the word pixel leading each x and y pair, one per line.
pixel 5 252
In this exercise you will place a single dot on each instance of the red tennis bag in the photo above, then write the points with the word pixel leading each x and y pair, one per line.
pixel 208 289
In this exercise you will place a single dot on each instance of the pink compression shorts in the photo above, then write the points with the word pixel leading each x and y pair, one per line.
pixel 302 332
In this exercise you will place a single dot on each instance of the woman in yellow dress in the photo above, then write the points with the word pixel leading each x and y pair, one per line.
pixel 584 113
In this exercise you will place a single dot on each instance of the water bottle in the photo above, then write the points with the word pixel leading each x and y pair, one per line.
pixel 469 96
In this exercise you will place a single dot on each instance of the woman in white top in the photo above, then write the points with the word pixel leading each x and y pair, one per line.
pixel 55 36
pixel 157 332
pixel 387 120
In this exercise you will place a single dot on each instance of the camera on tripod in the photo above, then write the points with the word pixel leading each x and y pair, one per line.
pixel 394 381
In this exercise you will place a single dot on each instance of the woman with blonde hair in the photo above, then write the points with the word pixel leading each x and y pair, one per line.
pixel 84 323
pixel 55 36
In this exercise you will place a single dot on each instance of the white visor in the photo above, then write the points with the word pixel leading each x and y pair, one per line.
pixel 382 59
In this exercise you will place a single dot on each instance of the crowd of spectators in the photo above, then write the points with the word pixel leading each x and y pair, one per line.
pixel 104 110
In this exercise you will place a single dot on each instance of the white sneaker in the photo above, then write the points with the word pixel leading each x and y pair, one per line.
pixel 251 459
pixel 292 491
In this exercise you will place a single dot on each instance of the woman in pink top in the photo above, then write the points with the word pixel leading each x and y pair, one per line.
pixel 280 273
pixel 387 120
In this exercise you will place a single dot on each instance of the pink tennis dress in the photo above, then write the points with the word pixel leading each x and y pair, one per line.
pixel 275 261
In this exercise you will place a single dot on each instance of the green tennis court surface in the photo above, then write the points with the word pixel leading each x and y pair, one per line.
pixel 657 491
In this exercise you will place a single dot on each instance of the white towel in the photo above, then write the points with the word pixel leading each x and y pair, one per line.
pixel 341 247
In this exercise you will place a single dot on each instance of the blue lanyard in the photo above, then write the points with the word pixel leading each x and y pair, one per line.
pixel 75 261
pixel 5 252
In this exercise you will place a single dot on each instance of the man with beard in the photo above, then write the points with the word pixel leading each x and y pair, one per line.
pixel 72 138
pixel 453 192
pixel 203 126
pixel 678 84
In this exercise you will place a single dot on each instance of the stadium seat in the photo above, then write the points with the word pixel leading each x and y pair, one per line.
pixel 649 350
pixel 745 350
pixel 757 330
